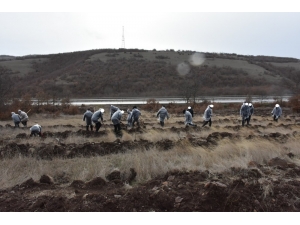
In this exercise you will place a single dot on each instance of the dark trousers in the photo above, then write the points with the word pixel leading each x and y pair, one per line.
pixel 17 124
pixel 248 120
pixel 97 125
pixel 274 118
pixel 243 120
pixel 137 122
pixel 117 127
pixel 206 122
pixel 87 127
pixel 162 123
pixel 24 123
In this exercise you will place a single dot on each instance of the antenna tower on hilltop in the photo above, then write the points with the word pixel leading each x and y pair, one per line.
pixel 123 39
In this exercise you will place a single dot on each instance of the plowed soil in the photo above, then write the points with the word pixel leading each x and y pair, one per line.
pixel 269 186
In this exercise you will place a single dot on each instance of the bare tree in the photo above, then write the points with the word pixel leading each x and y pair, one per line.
pixel 191 87
pixel 195 87
pixel 186 91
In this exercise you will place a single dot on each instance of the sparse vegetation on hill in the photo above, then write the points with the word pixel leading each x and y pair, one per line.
pixel 134 72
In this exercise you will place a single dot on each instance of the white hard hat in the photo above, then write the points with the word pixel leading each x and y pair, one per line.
pixel 122 111
pixel 277 105
pixel 250 104
pixel 246 103
pixel 102 110
pixel 189 107
pixel 211 106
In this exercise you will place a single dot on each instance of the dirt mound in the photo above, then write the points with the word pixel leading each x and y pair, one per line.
pixel 240 189
pixel 165 144
pixel 214 137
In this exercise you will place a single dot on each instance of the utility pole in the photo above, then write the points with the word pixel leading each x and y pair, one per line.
pixel 123 39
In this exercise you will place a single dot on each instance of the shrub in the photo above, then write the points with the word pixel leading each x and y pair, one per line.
pixel 151 105
pixel 294 103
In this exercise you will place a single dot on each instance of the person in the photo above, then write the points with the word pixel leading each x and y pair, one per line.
pixel 244 112
pixel 188 118
pixel 207 115
pixel 36 130
pixel 87 117
pixel 23 117
pixel 96 116
pixel 251 111
pixel 162 114
pixel 276 112
pixel 15 117
pixel 191 110
pixel 116 120
pixel 113 109
pixel 129 118
pixel 135 115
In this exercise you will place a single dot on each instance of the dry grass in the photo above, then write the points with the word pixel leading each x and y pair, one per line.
pixel 148 164
pixel 237 152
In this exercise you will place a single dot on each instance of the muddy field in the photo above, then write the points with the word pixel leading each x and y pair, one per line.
pixel 231 168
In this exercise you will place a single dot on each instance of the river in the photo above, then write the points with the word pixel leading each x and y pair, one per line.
pixel 166 100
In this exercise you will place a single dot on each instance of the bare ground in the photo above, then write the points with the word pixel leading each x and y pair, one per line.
pixel 271 184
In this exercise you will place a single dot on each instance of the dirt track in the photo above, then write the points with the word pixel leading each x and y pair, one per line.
pixel 270 186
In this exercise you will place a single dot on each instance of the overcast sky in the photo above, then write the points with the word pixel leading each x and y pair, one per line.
pixel 45 29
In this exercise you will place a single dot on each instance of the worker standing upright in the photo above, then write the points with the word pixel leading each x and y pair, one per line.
pixel 251 111
pixel 135 115
pixel 162 114
pixel 87 117
pixel 191 111
pixel 244 112
pixel 207 115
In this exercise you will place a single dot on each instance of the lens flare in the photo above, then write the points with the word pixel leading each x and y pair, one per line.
pixel 183 68
pixel 197 59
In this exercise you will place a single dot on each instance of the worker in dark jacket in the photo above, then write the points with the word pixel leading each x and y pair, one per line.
pixel 191 110
pixel 207 115
pixel 135 115
pixel 251 111
pixel 96 116
pixel 87 117
pixel 276 112
pixel 244 113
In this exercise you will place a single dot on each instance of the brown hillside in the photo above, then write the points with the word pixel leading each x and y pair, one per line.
pixel 134 72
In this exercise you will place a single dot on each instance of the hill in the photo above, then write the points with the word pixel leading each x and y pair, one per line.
pixel 138 72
